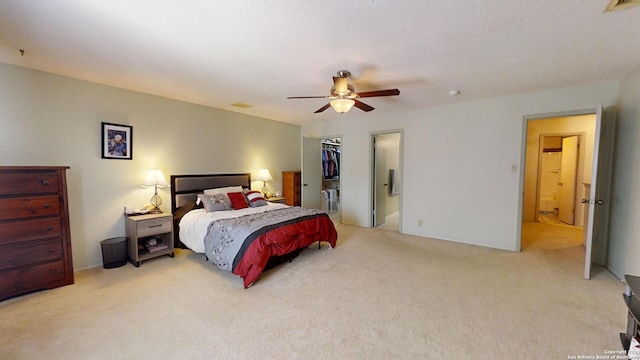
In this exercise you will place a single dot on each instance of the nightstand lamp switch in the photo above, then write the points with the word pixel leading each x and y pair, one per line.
pixel 156 179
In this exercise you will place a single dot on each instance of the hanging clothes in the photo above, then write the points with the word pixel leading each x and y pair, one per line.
pixel 330 162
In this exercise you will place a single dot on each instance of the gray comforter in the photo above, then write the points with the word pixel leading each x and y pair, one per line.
pixel 228 239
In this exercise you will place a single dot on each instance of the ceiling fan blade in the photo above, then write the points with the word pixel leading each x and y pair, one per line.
pixel 389 92
pixel 322 108
pixel 340 84
pixel 362 106
pixel 307 97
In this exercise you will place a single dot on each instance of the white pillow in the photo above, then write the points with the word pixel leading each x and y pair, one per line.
pixel 224 191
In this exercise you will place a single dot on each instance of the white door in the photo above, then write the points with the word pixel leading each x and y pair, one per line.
pixel 549 181
pixel 380 184
pixel 568 170
pixel 598 213
pixel 311 172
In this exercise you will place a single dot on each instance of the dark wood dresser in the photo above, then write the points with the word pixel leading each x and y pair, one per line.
pixel 35 241
pixel 291 189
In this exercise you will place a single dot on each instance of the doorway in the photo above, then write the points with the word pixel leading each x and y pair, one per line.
pixel 386 180
pixel 558 160
pixel 330 195
pixel 594 178
pixel 321 175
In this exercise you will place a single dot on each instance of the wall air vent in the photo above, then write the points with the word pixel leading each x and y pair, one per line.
pixel 615 5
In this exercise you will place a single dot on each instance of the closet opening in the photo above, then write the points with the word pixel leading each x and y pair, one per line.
pixel 330 193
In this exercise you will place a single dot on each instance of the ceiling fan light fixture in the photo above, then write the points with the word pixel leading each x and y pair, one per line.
pixel 342 105
pixel 615 5
pixel 343 95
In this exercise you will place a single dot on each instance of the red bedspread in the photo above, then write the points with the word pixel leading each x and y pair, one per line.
pixel 281 240
pixel 245 244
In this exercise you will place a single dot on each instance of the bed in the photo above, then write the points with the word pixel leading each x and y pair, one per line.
pixel 245 240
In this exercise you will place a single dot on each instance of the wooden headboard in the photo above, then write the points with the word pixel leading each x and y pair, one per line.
pixel 185 190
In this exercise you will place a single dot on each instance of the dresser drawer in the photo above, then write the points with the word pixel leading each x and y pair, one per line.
pixel 153 226
pixel 23 280
pixel 28 230
pixel 29 183
pixel 30 253
pixel 26 207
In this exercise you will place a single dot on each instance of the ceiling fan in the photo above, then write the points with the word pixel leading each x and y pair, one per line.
pixel 343 95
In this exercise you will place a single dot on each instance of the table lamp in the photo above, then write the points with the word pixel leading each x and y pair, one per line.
pixel 156 179
pixel 264 175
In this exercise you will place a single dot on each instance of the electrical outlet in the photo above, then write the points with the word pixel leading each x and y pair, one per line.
pixel 420 222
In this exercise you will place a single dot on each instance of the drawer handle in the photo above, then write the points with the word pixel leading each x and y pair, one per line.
pixel 46 206
pixel 53 271
pixel 152 226
pixel 49 228
pixel 45 182
pixel 51 250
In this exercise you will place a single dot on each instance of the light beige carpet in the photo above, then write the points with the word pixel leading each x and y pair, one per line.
pixel 378 295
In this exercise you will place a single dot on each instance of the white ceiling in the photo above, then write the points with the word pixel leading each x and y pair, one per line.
pixel 218 53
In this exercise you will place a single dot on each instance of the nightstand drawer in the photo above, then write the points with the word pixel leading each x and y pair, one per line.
pixel 153 226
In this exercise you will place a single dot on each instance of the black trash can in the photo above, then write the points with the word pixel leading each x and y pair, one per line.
pixel 114 252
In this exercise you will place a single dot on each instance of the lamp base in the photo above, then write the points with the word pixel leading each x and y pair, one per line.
pixel 155 201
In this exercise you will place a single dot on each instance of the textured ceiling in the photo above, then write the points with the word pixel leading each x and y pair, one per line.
pixel 218 53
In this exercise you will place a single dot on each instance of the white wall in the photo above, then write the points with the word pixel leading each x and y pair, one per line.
pixel 457 162
pixel 47 119
pixel 624 240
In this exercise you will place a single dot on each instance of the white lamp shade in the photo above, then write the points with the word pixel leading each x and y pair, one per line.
pixel 155 178
pixel 264 175
pixel 342 105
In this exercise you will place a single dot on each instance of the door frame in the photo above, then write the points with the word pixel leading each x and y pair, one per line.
pixel 523 157
pixel 372 159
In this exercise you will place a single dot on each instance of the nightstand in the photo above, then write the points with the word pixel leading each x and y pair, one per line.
pixel 149 236
pixel 277 199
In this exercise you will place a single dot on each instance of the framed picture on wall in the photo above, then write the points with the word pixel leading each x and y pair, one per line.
pixel 117 141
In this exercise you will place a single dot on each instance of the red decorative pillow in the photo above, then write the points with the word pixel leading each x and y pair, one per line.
pixel 255 198
pixel 238 201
